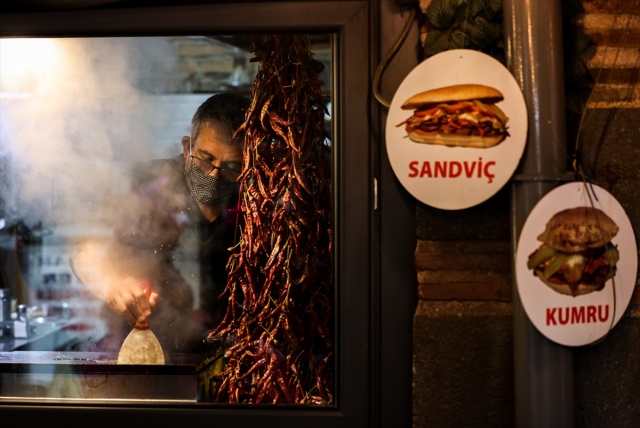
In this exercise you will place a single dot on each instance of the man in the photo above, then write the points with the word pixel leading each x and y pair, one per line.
pixel 174 235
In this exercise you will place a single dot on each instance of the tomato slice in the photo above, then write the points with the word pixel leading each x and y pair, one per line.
pixel 427 112
pixel 458 106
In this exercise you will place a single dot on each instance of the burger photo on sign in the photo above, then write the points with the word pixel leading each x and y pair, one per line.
pixel 463 115
pixel 576 256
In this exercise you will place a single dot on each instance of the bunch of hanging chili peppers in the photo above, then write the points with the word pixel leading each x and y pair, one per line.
pixel 279 321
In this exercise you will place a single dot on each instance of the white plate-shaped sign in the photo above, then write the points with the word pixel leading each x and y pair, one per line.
pixel 581 319
pixel 452 176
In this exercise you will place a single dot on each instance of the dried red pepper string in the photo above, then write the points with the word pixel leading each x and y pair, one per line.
pixel 280 288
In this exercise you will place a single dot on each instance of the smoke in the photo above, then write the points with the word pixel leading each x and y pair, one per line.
pixel 72 125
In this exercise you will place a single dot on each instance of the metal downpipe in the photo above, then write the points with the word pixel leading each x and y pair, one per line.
pixel 543 370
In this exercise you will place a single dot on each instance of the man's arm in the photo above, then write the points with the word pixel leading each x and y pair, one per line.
pixel 98 267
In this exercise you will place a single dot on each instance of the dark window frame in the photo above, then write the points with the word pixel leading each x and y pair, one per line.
pixel 348 22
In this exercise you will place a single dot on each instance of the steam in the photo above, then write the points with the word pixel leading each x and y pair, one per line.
pixel 72 128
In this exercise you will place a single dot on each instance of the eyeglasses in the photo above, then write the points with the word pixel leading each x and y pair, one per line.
pixel 207 167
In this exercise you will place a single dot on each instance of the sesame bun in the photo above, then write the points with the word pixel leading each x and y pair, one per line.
pixel 464 92
pixel 577 229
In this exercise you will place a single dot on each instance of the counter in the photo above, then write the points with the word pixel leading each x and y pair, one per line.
pixel 52 375
pixel 50 335
pixel 44 367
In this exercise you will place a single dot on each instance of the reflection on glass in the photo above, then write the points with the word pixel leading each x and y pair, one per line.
pixel 80 122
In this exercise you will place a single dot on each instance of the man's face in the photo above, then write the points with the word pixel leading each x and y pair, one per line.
pixel 212 146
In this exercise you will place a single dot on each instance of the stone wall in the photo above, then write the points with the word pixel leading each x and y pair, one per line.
pixel 463 341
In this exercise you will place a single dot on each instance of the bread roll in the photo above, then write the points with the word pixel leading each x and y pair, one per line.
pixel 454 140
pixel 577 229
pixel 464 92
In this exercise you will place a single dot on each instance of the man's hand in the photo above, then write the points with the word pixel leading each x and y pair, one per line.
pixel 123 294
pixel 127 298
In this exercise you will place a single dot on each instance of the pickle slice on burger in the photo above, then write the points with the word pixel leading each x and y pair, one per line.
pixel 459 115
pixel 576 256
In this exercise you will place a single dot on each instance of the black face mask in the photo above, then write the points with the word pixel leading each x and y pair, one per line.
pixel 207 189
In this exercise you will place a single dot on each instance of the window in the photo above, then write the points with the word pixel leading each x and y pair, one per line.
pixel 42 224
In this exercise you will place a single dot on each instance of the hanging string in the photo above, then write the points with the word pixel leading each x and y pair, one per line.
pixel 577 159
pixel 591 194
pixel 387 58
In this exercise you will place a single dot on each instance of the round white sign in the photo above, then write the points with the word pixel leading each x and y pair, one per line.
pixel 586 314
pixel 456 175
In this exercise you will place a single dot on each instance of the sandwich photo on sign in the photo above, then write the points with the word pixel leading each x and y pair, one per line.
pixel 576 256
pixel 576 263
pixel 456 129
pixel 463 115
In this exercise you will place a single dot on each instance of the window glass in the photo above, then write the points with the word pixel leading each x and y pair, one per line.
pixel 81 121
